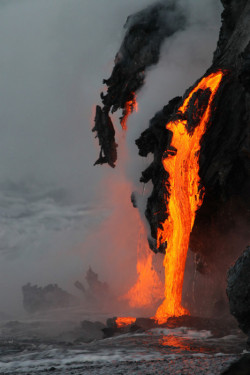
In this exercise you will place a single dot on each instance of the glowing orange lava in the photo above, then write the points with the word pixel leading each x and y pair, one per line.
pixel 180 344
pixel 148 289
pixel 130 107
pixel 122 322
pixel 185 198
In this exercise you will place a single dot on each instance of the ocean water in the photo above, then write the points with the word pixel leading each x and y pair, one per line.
pixel 39 347
pixel 55 341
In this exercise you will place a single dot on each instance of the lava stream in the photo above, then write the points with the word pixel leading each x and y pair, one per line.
pixel 185 197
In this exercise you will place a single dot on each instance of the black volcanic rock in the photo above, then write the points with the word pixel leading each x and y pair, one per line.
pixel 222 224
pixel 197 107
pixel 218 327
pixel 145 33
pixel 241 367
pixel 244 72
pixel 90 331
pixel 238 290
pixel 156 139
pixel 106 135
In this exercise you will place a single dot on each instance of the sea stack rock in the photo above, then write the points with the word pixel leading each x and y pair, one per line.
pixel 238 290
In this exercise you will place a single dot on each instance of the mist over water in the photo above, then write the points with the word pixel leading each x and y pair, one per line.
pixel 58 213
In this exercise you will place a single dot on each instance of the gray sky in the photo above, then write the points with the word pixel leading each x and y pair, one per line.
pixel 54 55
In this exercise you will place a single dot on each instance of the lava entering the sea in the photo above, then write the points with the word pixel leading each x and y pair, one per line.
pixel 185 194
pixel 181 162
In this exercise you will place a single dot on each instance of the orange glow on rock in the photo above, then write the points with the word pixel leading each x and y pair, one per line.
pixel 180 344
pixel 123 322
pixel 185 197
pixel 130 107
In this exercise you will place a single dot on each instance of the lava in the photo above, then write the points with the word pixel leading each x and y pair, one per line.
pixel 122 322
pixel 130 106
pixel 148 289
pixel 185 195
pixel 181 162
pixel 180 344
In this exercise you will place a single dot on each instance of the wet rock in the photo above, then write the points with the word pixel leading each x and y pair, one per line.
pixel 241 367
pixel 139 325
pixel 145 323
pixel 111 323
pixel 238 290
pixel 90 331
pixel 218 327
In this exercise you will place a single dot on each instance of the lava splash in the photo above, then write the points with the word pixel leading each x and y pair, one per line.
pixel 148 289
pixel 181 161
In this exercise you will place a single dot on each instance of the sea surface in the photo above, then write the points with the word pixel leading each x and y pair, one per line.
pixel 36 231
pixel 42 346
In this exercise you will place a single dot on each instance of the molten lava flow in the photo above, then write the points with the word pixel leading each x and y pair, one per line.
pixel 130 107
pixel 148 289
pixel 185 197
pixel 122 322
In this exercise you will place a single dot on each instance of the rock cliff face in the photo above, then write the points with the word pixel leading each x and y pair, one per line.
pixel 238 290
pixel 225 151
pixel 222 223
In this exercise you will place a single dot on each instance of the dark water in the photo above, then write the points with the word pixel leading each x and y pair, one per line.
pixel 52 346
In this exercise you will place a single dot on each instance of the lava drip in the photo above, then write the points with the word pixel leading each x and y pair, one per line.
pixel 129 107
pixel 181 162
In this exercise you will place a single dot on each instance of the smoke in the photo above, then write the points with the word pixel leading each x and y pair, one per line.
pixel 54 56
pixel 184 58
